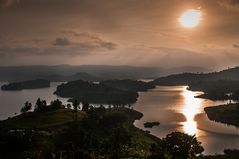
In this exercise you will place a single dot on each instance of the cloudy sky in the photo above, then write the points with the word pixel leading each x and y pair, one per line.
pixel 118 32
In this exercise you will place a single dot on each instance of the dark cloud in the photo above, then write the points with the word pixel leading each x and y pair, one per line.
pixel 231 4
pixel 93 39
pixel 62 42
pixel 235 45
pixel 76 48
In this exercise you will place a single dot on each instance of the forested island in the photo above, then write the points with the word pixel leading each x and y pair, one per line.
pixel 106 92
pixel 32 84
pixel 228 114
pixel 217 90
pixel 223 85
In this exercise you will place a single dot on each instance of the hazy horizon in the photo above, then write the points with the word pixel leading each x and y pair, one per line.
pixel 127 32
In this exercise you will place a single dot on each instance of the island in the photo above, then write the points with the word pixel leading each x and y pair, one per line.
pixel 227 114
pixel 151 124
pixel 115 92
pixel 32 84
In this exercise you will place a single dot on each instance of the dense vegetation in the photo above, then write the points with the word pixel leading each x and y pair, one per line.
pixel 33 84
pixel 108 92
pixel 81 131
pixel 228 114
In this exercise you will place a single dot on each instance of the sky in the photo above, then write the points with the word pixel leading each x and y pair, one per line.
pixel 118 32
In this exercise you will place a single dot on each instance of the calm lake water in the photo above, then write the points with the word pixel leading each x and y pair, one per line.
pixel 11 102
pixel 177 109
pixel 174 107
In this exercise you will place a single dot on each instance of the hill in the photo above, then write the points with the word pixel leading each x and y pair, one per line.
pixel 188 78
pixel 22 73
pixel 78 76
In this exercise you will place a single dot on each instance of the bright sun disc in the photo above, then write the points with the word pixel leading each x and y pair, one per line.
pixel 190 18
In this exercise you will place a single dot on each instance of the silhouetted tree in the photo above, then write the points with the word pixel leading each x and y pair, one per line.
pixel 85 106
pixel 76 104
pixel 182 146
pixel 68 106
pixel 40 105
pixel 56 103
pixel 27 106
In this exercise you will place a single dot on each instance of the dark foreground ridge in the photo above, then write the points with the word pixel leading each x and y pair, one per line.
pixel 228 114
pixel 33 84
pixel 81 131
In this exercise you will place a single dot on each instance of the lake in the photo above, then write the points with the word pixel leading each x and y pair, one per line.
pixel 13 101
pixel 175 108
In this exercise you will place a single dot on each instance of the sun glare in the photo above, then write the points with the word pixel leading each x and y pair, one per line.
pixel 190 18
pixel 190 109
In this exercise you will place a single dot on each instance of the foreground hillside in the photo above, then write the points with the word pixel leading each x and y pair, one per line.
pixel 60 132
pixel 82 131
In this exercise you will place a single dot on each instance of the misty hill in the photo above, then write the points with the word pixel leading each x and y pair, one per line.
pixel 188 78
pixel 33 84
pixel 21 73
pixel 183 69
pixel 78 76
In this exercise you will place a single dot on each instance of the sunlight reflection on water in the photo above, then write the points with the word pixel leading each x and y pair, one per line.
pixel 190 109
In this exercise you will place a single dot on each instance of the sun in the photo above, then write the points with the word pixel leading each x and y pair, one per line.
pixel 190 18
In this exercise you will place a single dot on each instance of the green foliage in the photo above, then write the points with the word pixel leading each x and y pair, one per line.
pixel 177 146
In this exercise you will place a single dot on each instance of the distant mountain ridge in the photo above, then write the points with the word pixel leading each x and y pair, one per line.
pixel 22 73
pixel 187 78
pixel 80 75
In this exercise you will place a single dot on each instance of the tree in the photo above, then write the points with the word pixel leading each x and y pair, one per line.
pixel 56 104
pixel 40 105
pixel 120 141
pixel 76 104
pixel 68 106
pixel 85 106
pixel 182 146
pixel 27 106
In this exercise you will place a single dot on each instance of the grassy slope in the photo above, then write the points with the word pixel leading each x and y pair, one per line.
pixel 43 120
pixel 61 118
